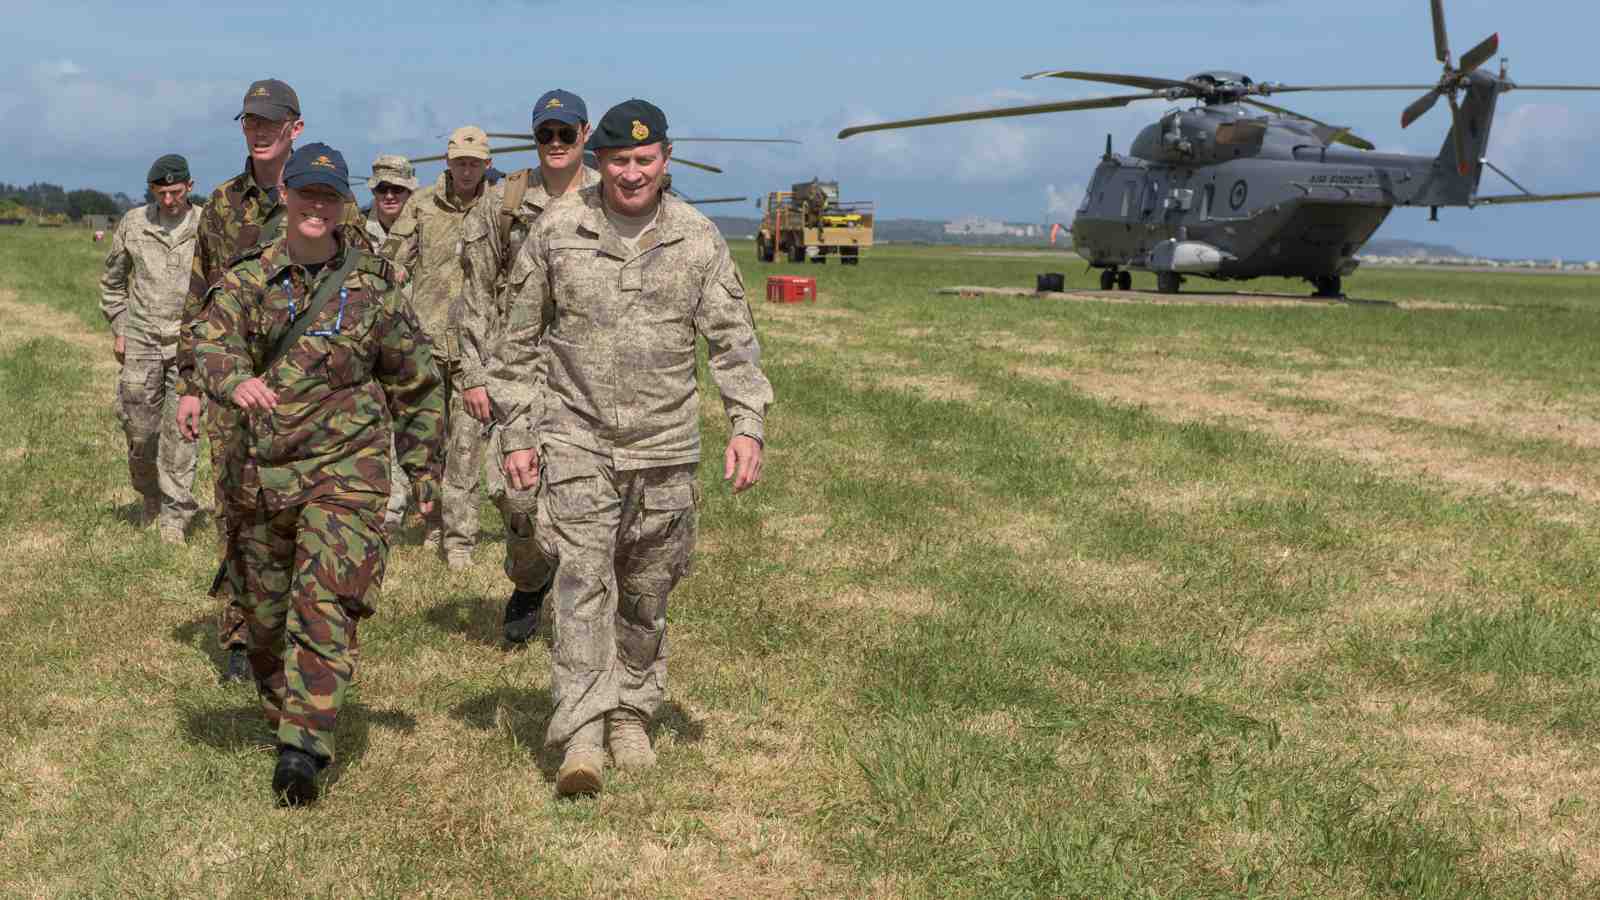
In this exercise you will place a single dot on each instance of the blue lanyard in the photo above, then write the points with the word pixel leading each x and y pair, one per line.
pixel 338 319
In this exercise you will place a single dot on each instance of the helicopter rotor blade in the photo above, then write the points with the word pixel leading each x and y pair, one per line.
pixel 1459 136
pixel 1268 88
pixel 676 140
pixel 1136 81
pixel 514 148
pixel 1336 134
pixel 1480 54
pixel 707 167
pixel 1419 107
pixel 705 200
pixel 1441 38
pixel 1556 87
pixel 1034 109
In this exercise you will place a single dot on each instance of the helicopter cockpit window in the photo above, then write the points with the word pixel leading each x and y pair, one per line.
pixel 1206 197
pixel 1152 197
pixel 1127 199
pixel 1234 134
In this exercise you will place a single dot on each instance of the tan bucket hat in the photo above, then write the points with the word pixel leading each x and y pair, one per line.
pixel 395 170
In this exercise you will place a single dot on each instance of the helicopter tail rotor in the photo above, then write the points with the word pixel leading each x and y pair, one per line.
pixel 1454 78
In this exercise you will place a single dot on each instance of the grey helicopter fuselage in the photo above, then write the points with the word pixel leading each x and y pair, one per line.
pixel 1218 192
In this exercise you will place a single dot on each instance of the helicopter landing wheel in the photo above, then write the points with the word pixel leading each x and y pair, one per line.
pixel 1108 279
pixel 1168 282
pixel 1331 286
pixel 1124 281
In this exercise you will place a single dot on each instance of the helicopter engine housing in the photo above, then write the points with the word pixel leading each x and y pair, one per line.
pixel 1187 256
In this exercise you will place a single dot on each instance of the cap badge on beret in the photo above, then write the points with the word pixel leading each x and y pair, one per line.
pixel 640 132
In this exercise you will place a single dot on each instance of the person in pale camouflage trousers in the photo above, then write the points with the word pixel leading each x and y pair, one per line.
pixel 392 182
pixel 490 237
pixel 308 476
pixel 141 294
pixel 243 212
pixel 597 364
pixel 426 240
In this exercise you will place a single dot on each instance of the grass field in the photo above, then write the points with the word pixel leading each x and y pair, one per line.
pixel 1037 598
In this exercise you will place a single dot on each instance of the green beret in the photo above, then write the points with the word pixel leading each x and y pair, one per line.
pixel 631 123
pixel 169 170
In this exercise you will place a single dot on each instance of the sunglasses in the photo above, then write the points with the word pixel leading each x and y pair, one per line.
pixel 567 133
pixel 390 190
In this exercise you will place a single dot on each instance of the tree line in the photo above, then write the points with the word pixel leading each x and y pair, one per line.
pixel 45 199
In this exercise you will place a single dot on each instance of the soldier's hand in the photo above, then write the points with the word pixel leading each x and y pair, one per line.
pixel 476 401
pixel 254 394
pixel 426 508
pixel 522 469
pixel 742 462
pixel 189 418
pixel 119 348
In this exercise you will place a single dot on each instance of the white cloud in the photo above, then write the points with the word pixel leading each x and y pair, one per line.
pixel 1060 204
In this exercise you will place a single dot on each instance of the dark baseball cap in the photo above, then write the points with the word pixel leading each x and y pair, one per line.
pixel 631 123
pixel 560 106
pixel 317 164
pixel 270 99
pixel 168 170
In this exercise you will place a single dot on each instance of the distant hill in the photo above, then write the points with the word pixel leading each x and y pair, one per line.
pixel 1399 247
pixel 924 231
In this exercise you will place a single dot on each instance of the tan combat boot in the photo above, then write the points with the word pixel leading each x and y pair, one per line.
pixel 172 534
pixel 583 767
pixel 458 560
pixel 630 745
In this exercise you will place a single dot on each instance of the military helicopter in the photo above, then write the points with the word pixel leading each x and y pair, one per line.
pixel 589 159
pixel 1222 192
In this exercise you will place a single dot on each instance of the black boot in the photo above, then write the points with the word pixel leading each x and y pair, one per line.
pixel 237 671
pixel 522 614
pixel 294 781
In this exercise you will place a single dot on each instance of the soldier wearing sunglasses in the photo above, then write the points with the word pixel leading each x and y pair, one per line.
pixel 491 236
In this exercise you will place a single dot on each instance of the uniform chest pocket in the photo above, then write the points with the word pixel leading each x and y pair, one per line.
pixel 338 346
pixel 582 283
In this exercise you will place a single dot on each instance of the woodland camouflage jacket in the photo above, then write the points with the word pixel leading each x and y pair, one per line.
pixel 229 227
pixel 426 241
pixel 147 271
pixel 479 313
pixel 599 346
pixel 363 363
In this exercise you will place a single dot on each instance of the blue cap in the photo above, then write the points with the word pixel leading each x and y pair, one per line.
pixel 317 164
pixel 560 106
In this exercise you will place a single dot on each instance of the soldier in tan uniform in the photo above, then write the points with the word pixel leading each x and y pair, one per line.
pixel 490 238
pixel 597 367
pixel 392 182
pixel 141 293
pixel 426 241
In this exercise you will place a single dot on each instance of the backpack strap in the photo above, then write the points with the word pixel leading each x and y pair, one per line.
pixel 516 189
pixel 319 302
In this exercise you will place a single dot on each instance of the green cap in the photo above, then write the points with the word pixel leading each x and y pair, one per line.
pixel 631 123
pixel 169 170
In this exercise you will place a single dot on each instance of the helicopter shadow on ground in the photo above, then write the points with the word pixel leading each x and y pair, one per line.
pixel 243 728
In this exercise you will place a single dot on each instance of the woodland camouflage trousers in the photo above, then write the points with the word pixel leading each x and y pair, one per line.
pixel 222 426
pixel 623 539
pixel 160 462
pixel 307 575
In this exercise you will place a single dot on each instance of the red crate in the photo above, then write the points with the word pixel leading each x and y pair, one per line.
pixel 790 288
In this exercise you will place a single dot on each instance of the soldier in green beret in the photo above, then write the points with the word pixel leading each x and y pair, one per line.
pixel 596 367
pixel 141 294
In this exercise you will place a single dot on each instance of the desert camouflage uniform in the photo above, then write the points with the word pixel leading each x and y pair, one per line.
pixel 141 294
pixel 426 240
pixel 306 481
pixel 597 365
pixel 477 317
pixel 400 489
pixel 230 225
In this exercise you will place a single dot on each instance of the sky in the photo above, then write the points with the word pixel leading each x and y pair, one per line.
pixel 92 92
